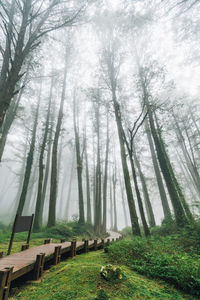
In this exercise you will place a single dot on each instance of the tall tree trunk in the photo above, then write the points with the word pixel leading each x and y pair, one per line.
pixel 98 205
pixel 79 163
pixel 53 188
pixel 114 181
pixel 163 196
pixel 172 173
pixel 105 182
pixel 139 198
pixel 46 176
pixel 70 187
pixel 37 224
pixel 123 203
pixel 190 162
pixel 29 162
pixel 111 204
pixel 180 216
pixel 149 208
pixel 129 193
pixel 89 215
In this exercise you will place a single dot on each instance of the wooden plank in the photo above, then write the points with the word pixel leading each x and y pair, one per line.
pixel 24 262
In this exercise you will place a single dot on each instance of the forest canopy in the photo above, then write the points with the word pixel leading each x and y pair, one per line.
pixel 99 113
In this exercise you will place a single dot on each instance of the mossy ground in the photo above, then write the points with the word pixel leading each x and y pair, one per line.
pixel 79 278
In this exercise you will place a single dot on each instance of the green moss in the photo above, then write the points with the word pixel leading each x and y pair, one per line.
pixel 79 278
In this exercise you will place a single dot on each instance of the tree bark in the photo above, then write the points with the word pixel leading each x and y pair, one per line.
pixel 37 224
pixel 54 160
pixel 105 182
pixel 147 201
pixel 79 163
pixel 163 196
pixel 29 162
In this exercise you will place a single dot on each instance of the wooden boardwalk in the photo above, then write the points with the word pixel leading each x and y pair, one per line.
pixel 31 261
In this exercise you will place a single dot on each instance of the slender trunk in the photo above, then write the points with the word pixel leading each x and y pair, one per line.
pixel 114 181
pixel 98 213
pixel 123 202
pixel 105 183
pixel 180 216
pixel 147 201
pixel 177 186
pixel 37 223
pixel 29 163
pixel 89 216
pixel 139 198
pixel 111 206
pixel 163 196
pixel 54 163
pixel 129 193
pixel 46 176
pixel 70 187
pixel 79 163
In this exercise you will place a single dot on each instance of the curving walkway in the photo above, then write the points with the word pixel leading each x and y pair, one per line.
pixel 32 261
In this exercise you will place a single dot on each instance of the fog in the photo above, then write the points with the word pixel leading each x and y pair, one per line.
pixel 158 40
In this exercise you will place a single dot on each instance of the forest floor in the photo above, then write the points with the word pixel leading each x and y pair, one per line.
pixel 79 278
pixel 173 258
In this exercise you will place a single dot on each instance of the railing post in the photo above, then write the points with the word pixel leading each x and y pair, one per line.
pixel 5 280
pixel 47 241
pixel 86 246
pixel 95 245
pixel 108 242
pixel 75 248
pixel 102 241
pixel 39 266
pixel 25 247
pixel 57 255
pixel 62 240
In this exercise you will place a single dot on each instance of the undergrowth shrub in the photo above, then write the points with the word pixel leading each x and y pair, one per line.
pixel 71 229
pixel 159 258
pixel 111 273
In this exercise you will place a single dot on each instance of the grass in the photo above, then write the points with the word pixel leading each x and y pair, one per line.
pixel 160 257
pixel 79 278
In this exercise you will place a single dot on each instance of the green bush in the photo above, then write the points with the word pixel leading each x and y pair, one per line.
pixel 160 258
pixel 111 273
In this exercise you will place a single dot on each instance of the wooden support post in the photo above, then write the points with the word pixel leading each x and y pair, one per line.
pixel 74 248
pixel 5 280
pixel 108 242
pixel 72 254
pixel 102 243
pixel 95 245
pixel 62 240
pixel 1 254
pixel 47 241
pixel 25 247
pixel 39 266
pixel 86 246
pixel 57 255
pixel 113 240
